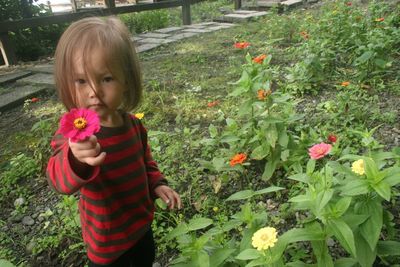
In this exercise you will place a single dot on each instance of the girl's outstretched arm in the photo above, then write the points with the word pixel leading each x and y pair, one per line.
pixel 62 171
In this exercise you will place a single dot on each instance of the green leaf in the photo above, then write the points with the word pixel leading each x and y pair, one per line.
pixel 271 165
pixel 365 256
pixel 342 205
pixel 323 198
pixel 283 139
pixel 181 229
pixel 249 254
pixel 244 194
pixel 220 255
pixel 256 262
pixel 354 187
pixel 344 235
pixel 259 152
pixel 392 176
pixel 388 248
pixel 213 131
pixel 268 190
pixel 218 163
pixel 345 262
pixel 301 177
pixel 371 170
pixel 202 259
pixel 199 223
pixel 364 57
pixel 383 189
pixel 229 139
pixel 302 234
pixel 371 228
pixel 310 166
pixel 5 263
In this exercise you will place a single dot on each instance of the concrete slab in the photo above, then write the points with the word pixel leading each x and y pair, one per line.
pixel 197 30
pixel 182 35
pixel 13 76
pixel 18 96
pixel 38 79
pixel 291 3
pixel 244 17
pixel 146 47
pixel 168 30
pixel 154 35
pixel 43 68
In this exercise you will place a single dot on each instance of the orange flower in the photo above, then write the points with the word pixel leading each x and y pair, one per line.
pixel 35 99
pixel 345 84
pixel 379 19
pixel 238 159
pixel 213 103
pixel 259 59
pixel 262 94
pixel 304 34
pixel 241 45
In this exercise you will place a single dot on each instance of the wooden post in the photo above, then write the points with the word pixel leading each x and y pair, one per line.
pixel 187 20
pixel 238 4
pixel 110 3
pixel 7 50
pixel 74 6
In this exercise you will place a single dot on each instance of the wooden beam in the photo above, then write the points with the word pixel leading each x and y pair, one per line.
pixel 6 26
pixel 110 3
pixel 7 50
pixel 187 20
pixel 74 6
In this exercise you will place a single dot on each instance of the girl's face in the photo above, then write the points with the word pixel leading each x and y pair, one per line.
pixel 107 93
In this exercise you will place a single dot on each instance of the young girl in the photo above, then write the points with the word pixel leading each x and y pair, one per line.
pixel 96 68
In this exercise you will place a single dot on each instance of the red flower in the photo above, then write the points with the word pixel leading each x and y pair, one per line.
pixel 332 138
pixel 35 99
pixel 213 103
pixel 241 45
pixel 345 84
pixel 379 19
pixel 262 94
pixel 304 34
pixel 259 59
pixel 78 124
pixel 349 4
pixel 238 159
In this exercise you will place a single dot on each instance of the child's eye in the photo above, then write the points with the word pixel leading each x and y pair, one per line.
pixel 108 79
pixel 80 81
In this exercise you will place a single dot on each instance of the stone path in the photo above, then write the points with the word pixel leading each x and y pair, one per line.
pixel 29 82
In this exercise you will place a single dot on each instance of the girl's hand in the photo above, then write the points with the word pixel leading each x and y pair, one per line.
pixel 88 151
pixel 169 196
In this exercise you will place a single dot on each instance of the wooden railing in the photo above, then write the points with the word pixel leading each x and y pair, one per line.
pixel 7 48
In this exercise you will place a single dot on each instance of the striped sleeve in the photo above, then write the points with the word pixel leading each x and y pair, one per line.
pixel 155 177
pixel 59 172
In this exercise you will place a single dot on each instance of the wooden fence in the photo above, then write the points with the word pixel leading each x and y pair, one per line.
pixel 7 48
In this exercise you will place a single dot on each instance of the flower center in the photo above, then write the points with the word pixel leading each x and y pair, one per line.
pixel 264 237
pixel 80 123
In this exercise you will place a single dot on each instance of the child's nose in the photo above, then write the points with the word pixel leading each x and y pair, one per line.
pixel 96 91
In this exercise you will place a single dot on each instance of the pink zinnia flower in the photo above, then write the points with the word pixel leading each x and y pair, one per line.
pixel 78 124
pixel 35 99
pixel 319 150
pixel 241 45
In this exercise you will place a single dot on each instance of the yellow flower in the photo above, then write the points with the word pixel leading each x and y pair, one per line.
pixel 358 167
pixel 139 115
pixel 264 238
pixel 215 209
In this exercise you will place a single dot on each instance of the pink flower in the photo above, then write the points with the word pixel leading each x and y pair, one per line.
pixel 78 124
pixel 319 150
pixel 35 99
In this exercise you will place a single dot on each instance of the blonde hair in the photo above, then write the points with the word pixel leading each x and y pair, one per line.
pixel 114 39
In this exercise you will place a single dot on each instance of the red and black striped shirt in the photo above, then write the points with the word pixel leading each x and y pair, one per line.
pixel 116 201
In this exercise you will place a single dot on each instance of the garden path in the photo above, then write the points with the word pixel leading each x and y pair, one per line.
pixel 24 82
